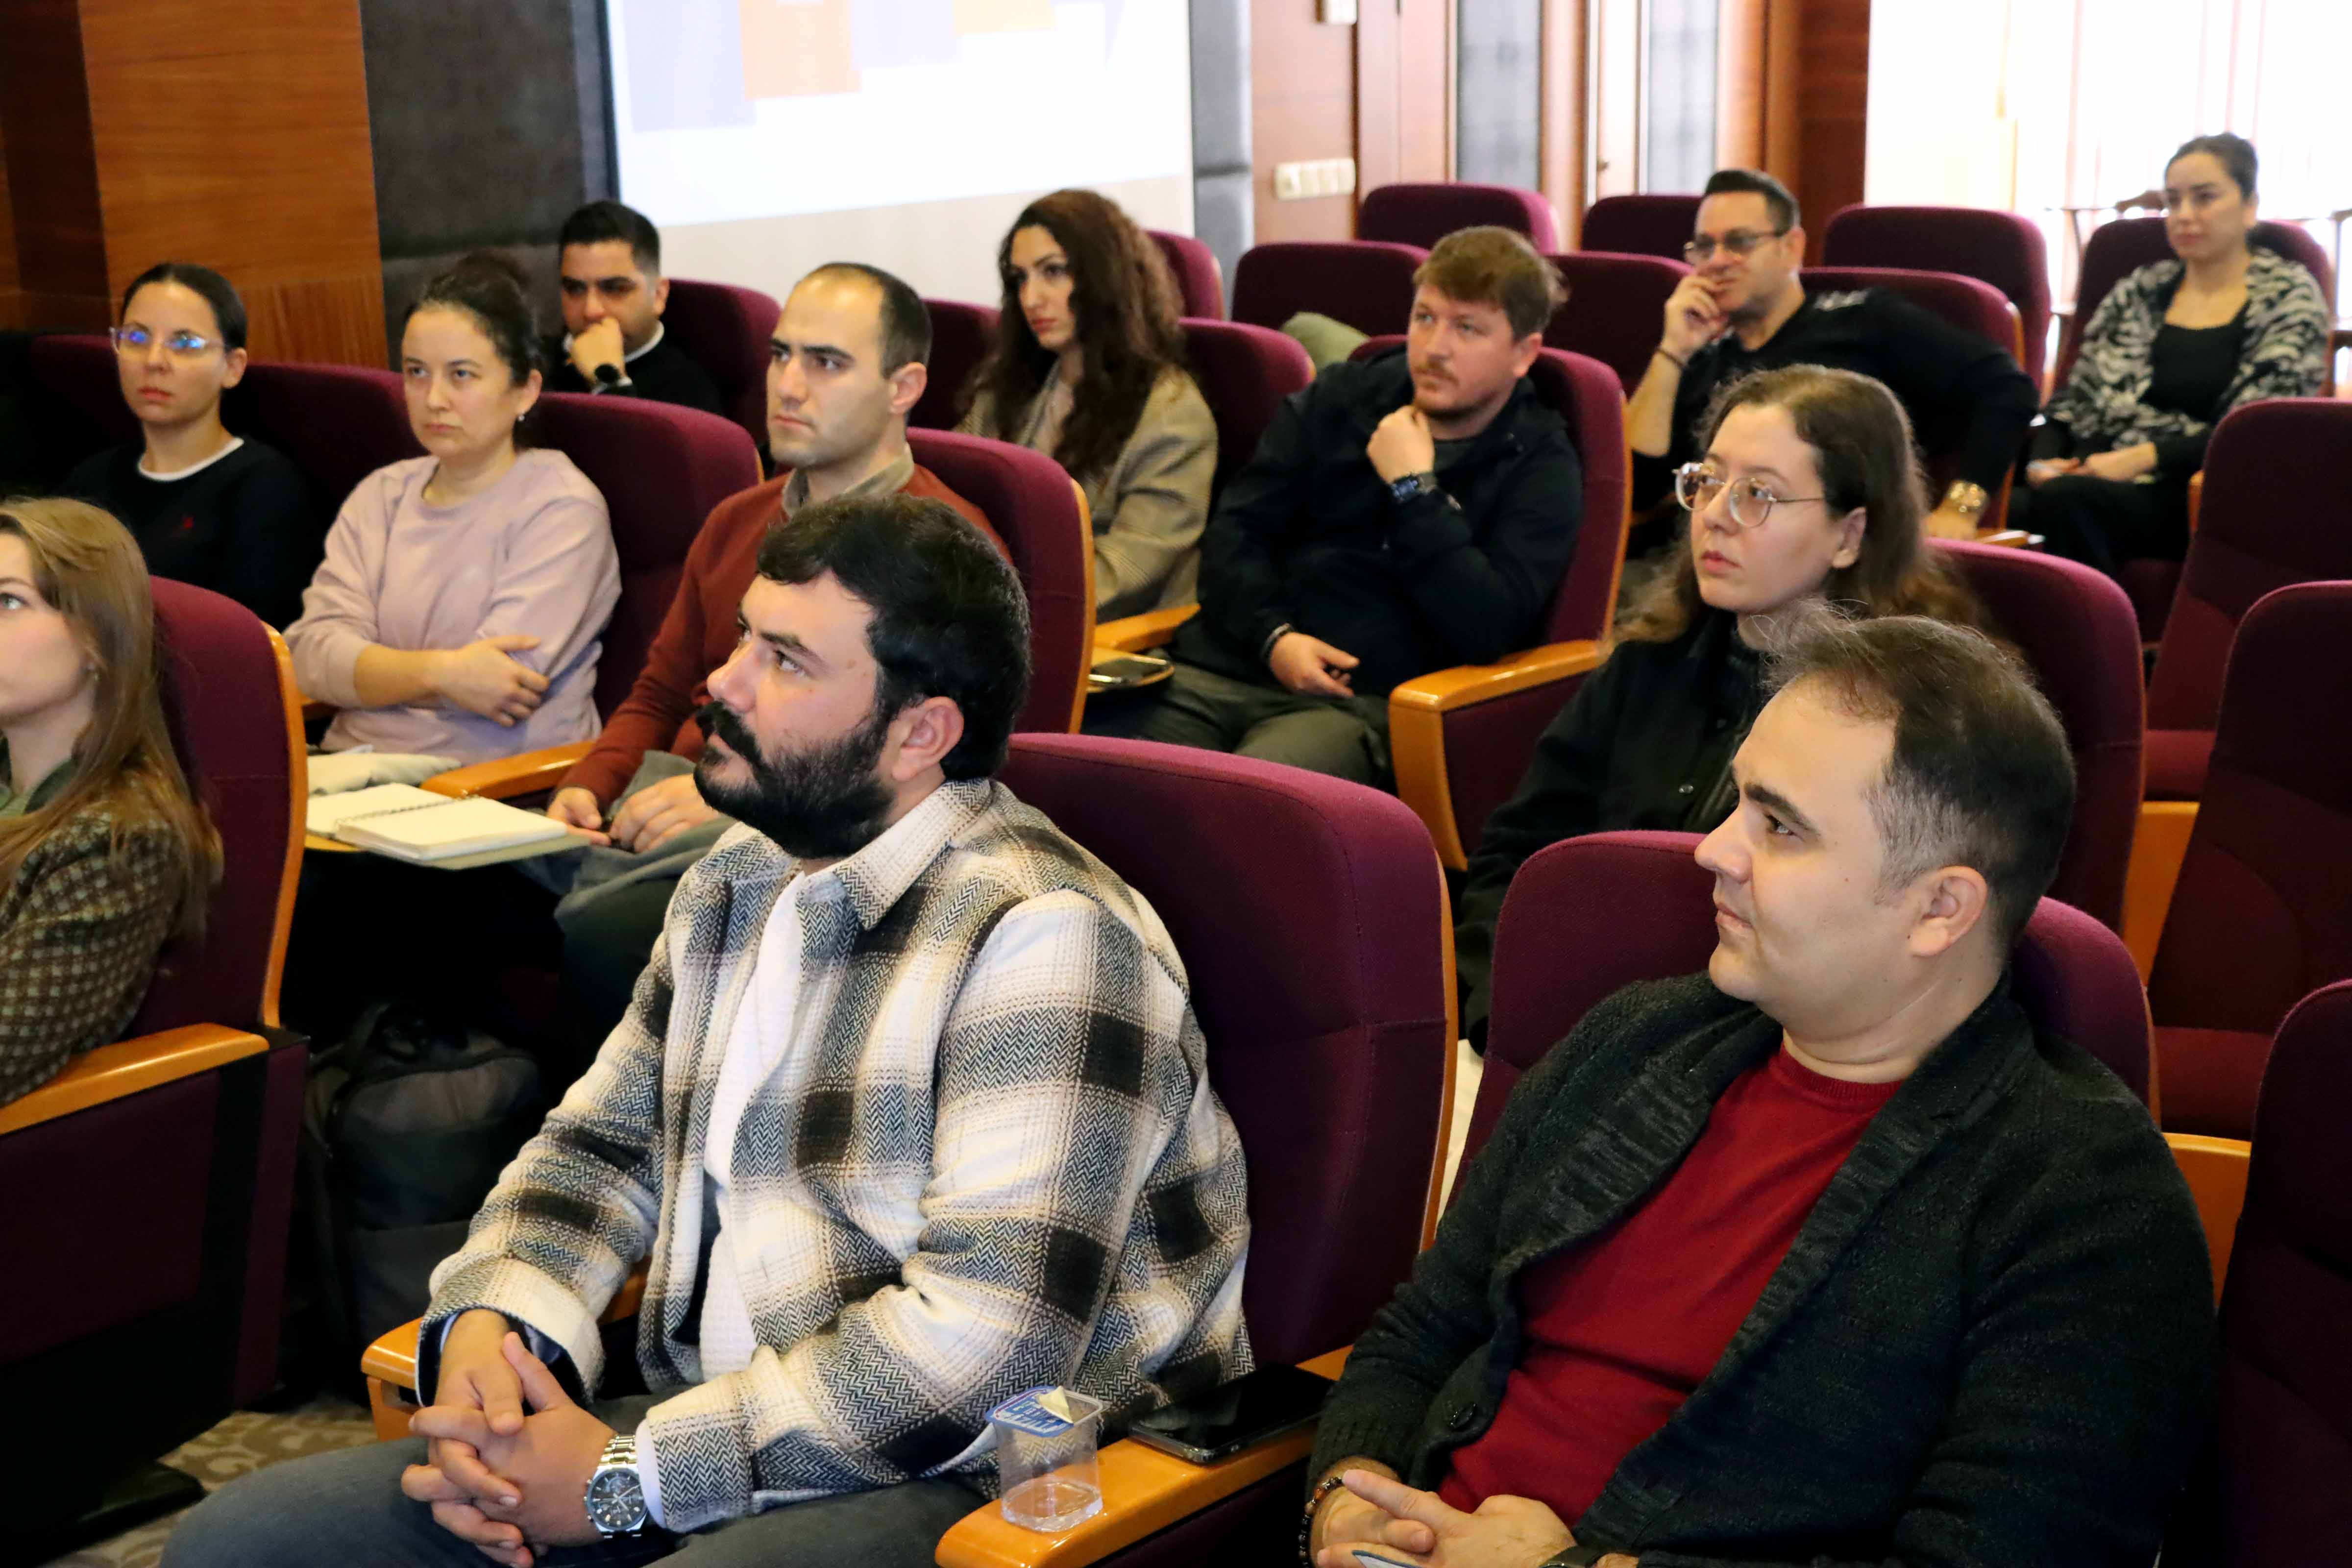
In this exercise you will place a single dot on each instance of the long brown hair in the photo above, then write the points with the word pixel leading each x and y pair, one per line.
pixel 87 566
pixel 1128 324
pixel 1861 442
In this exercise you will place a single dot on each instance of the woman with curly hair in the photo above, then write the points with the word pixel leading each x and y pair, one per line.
pixel 1088 369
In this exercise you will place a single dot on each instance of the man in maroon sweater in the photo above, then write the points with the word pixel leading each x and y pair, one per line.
pixel 844 366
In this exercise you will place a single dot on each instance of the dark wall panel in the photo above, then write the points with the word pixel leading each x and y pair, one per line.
pixel 1223 207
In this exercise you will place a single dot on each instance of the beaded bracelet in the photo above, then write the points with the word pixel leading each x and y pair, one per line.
pixel 1323 1489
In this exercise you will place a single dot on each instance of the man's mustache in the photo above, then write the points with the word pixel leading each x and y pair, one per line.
pixel 718 719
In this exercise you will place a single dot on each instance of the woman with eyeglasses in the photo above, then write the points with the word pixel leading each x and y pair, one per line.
pixel 1806 493
pixel 2172 348
pixel 223 511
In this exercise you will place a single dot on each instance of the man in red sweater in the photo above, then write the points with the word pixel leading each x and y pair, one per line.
pixel 844 366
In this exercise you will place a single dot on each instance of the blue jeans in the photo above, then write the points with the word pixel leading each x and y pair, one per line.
pixel 346 1509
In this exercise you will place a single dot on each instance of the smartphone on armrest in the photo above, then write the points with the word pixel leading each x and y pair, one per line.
pixel 1224 1421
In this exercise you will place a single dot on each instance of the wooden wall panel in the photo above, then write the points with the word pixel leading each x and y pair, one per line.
pixel 1302 106
pixel 60 248
pixel 1561 153
pixel 1833 93
pixel 11 306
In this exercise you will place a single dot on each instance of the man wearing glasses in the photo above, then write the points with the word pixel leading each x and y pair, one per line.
pixel 1743 308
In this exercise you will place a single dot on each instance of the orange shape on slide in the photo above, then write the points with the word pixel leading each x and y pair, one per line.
pixel 1003 15
pixel 795 49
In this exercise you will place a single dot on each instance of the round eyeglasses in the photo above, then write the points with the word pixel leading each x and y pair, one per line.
pixel 1738 242
pixel 1750 501
pixel 179 345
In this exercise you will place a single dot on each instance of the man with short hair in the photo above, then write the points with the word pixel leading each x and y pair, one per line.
pixel 1403 514
pixel 1743 308
pixel 609 260
pixel 1830 1255
pixel 847 364
pixel 909 1114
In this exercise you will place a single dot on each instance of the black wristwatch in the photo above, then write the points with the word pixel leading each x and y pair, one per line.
pixel 1577 1557
pixel 1421 484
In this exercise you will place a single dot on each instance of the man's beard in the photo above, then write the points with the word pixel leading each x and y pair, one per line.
pixel 821 803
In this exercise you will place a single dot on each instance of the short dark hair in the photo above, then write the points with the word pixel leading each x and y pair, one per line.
pixel 2235 152
pixel 489 287
pixel 905 319
pixel 1756 182
pixel 1981 775
pixel 228 311
pixel 600 222
pixel 1489 265
pixel 950 616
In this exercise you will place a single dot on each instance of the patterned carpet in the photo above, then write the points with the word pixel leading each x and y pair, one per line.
pixel 246 1441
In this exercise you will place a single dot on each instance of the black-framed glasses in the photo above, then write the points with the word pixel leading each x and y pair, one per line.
pixel 1750 501
pixel 180 344
pixel 1738 242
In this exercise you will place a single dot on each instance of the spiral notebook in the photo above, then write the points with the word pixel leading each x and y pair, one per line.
pixel 411 824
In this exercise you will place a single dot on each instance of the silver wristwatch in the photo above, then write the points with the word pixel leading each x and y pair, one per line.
pixel 617 1497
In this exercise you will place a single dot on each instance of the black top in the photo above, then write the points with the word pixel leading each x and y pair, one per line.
pixel 1991 1341
pixel 1309 535
pixel 1646 743
pixel 663 374
pixel 1962 393
pixel 245 525
pixel 2191 370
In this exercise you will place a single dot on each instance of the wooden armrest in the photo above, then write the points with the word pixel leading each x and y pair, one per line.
pixel 2196 497
pixel 1135 634
pixel 2216 1170
pixel 1143 1491
pixel 390 1363
pixel 2159 846
pixel 127 1068
pixel 1417 713
pixel 506 777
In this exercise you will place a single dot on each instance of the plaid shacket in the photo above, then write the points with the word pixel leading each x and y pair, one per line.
pixel 1004 1165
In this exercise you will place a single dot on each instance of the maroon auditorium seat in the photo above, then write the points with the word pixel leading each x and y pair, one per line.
pixel 1035 509
pixel 1589 916
pixel 1366 283
pixel 80 409
pixel 1616 309
pixel 962 336
pixel 725 329
pixel 1200 286
pixel 2260 917
pixel 1639 225
pixel 2002 248
pixel 1422 215
pixel 1243 373
pixel 2075 630
pixel 2271 469
pixel 336 423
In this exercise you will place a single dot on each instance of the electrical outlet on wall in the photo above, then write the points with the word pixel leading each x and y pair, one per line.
pixel 1314 177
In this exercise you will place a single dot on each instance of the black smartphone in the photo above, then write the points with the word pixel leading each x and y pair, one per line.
pixel 1218 1425
pixel 1119 671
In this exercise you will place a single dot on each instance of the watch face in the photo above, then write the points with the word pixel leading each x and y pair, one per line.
pixel 616 1503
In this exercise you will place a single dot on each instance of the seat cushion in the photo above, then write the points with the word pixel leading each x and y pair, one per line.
pixel 2176 763
pixel 2207 1079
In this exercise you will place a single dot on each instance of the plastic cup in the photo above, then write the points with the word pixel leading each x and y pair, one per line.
pixel 1047 1476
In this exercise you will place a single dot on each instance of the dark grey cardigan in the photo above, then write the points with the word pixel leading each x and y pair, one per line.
pixel 1993 1341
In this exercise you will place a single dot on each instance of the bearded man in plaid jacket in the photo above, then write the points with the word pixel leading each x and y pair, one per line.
pixel 909 1112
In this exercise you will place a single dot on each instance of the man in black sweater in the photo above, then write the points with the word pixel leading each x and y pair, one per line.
pixel 614 295
pixel 1401 515
pixel 1743 308
pixel 1830 1256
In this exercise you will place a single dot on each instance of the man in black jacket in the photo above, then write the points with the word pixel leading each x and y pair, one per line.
pixel 614 295
pixel 1829 1256
pixel 1401 515
pixel 1743 308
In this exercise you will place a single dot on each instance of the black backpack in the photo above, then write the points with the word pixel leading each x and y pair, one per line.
pixel 406 1127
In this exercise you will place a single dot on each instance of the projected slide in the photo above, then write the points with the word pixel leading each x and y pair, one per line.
pixel 735 110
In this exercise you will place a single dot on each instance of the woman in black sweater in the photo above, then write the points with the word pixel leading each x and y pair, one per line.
pixel 221 512
pixel 1809 490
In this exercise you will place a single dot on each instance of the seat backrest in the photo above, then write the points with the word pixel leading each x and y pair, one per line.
pixel 1199 285
pixel 1042 518
pixel 1310 916
pixel 236 725
pixel 725 329
pixel 2271 468
pixel 1422 215
pixel 2286 1339
pixel 1639 225
pixel 1586 917
pixel 1614 308
pixel 2127 244
pixel 661 469
pixel 2077 633
pixel 2002 248
pixel 2260 916
pixel 962 336
pixel 80 408
pixel 1585 395
pixel 336 423
pixel 1366 283
pixel 1243 373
